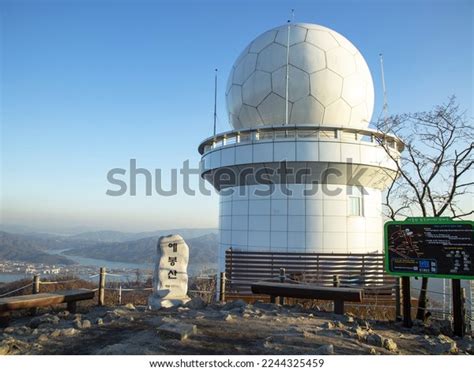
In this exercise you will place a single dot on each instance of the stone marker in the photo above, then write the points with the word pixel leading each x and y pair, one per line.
pixel 170 277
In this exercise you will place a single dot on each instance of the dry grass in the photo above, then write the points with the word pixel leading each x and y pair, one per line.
pixel 372 308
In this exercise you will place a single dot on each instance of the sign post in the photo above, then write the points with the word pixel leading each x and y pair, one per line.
pixel 431 247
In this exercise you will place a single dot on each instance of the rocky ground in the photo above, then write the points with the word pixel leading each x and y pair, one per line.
pixel 233 328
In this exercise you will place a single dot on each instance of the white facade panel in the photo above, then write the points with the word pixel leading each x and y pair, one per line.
pixel 307 151
pixel 284 151
pixel 240 222
pixel 335 224
pixel 259 222
pixel 240 239
pixel 296 241
pixel 259 238
pixel 296 223
pixel 329 152
pixel 279 223
pixel 314 242
pixel 215 159
pixel 227 156
pixel 240 208
pixel 243 154
pixel 296 207
pixel 259 207
pixel 279 207
pixel 279 239
pixel 350 153
pixel 334 207
pixel 335 242
pixel 314 206
pixel 314 223
pixel 262 152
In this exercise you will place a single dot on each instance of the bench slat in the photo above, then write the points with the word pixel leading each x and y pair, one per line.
pixel 44 299
pixel 307 291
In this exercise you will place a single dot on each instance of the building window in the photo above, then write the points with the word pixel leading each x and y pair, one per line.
pixel 355 206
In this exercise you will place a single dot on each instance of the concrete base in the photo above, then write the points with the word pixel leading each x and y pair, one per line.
pixel 158 302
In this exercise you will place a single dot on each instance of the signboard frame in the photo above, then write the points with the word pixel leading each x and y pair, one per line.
pixel 422 221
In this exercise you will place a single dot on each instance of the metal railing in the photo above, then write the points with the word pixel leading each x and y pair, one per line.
pixel 300 133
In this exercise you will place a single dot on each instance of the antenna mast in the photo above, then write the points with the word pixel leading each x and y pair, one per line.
pixel 215 100
pixel 385 104
pixel 288 65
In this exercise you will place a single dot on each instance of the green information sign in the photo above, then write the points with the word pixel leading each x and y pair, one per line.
pixel 430 247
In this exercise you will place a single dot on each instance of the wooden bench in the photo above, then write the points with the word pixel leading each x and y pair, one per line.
pixel 71 297
pixel 306 291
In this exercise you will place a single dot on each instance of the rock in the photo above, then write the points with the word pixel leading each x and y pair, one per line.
pixel 375 339
pixel 9 330
pixel 86 324
pixel 361 334
pixel 99 321
pixel 234 304
pixel 390 345
pixel 75 316
pixel 196 303
pixel 68 332
pixel 437 327
pixel 297 308
pixel 77 324
pixel 47 319
pixel 23 330
pixel 444 344
pixel 237 310
pixel 55 334
pixel 4 348
pixel 466 344
pixel 373 351
pixel 228 318
pixel 63 314
pixel 180 331
pixel 42 338
pixel 112 315
pixel 339 324
pixel 130 306
pixel 349 319
pixel 118 349
pixel 418 323
pixel 325 349
pixel 265 306
pixel 328 325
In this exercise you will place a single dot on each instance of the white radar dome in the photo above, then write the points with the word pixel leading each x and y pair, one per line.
pixel 329 81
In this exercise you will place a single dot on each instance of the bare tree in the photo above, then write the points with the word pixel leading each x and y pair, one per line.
pixel 434 171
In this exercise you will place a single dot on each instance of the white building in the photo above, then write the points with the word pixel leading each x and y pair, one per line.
pixel 311 113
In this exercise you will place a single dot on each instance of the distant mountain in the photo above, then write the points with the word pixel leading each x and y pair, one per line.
pixel 203 251
pixel 116 236
pixel 39 247
pixel 29 249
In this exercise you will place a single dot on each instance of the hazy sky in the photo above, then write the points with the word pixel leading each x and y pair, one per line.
pixel 88 85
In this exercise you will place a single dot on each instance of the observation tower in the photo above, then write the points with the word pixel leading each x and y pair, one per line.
pixel 301 171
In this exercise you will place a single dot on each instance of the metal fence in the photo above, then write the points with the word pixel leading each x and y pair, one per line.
pixel 358 270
